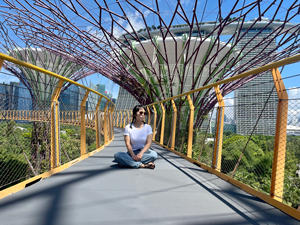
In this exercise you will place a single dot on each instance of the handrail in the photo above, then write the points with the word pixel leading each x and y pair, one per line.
pixel 269 66
pixel 82 118
pixel 276 193
pixel 28 65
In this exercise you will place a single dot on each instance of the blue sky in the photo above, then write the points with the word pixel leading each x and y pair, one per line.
pixel 166 8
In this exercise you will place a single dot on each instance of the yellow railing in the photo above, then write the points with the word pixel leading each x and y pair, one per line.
pixel 275 195
pixel 100 121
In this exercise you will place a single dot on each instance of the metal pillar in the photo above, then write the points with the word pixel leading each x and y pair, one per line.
pixel 82 124
pixel 97 124
pixel 162 130
pixel 154 125
pixel 174 118
pixel 191 125
pixel 277 179
pixel 55 127
pixel 105 127
pixel 217 156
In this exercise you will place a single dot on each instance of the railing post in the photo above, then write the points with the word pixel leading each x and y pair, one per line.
pixel 162 130
pixel 173 125
pixel 121 119
pixel 191 125
pixel 110 121
pixel 277 178
pixel 117 125
pixel 154 124
pixel 55 127
pixel 217 156
pixel 105 128
pixel 128 113
pixel 1 63
pixel 124 119
pixel 113 118
pixel 148 115
pixel 97 124
pixel 82 124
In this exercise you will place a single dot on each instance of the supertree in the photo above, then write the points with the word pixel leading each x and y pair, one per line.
pixel 160 49
pixel 40 86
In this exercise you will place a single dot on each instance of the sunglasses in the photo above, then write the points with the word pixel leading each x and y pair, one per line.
pixel 142 113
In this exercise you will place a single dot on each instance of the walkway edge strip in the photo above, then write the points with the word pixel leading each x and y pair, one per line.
pixel 22 185
pixel 266 198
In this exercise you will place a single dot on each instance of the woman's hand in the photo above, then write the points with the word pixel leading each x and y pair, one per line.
pixel 135 157
pixel 139 156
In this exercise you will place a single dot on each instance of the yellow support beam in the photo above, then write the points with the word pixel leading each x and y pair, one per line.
pixel 97 124
pixel 148 115
pixel 129 119
pixel 117 119
pixel 191 128
pixel 217 156
pixel 162 130
pixel 154 124
pixel 112 113
pixel 110 121
pixel 82 124
pixel 105 126
pixel 174 118
pixel 55 143
pixel 277 178
pixel 124 119
pixel 1 63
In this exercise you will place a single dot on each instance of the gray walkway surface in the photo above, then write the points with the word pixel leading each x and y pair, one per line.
pixel 97 191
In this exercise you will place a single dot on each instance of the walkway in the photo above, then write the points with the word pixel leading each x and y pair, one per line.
pixel 97 191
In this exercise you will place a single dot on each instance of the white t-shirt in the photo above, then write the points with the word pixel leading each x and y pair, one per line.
pixel 138 137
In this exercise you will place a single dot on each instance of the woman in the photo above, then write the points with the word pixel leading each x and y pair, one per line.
pixel 138 138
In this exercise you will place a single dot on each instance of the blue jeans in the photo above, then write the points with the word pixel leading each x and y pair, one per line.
pixel 125 159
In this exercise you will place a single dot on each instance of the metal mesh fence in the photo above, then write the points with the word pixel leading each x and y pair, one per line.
pixel 25 132
pixel 248 156
pixel 70 142
pixel 204 139
pixel 25 127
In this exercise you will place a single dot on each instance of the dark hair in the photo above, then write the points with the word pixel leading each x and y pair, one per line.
pixel 134 111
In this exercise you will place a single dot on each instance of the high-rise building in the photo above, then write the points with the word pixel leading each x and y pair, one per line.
pixel 250 98
pixel 9 95
pixel 125 100
pixel 25 99
pixel 69 99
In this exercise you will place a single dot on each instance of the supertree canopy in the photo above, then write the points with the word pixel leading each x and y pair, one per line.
pixel 41 86
pixel 160 49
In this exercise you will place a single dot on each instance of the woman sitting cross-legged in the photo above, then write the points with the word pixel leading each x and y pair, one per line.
pixel 138 138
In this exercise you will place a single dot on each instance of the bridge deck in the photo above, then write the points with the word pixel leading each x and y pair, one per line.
pixel 97 191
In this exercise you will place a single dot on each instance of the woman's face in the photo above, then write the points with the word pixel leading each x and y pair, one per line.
pixel 140 115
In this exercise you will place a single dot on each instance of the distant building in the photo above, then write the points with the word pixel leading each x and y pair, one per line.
pixel 25 99
pixel 69 99
pixel 125 100
pixel 250 98
pixel 9 96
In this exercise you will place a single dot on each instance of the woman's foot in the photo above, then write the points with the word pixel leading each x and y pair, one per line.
pixel 149 165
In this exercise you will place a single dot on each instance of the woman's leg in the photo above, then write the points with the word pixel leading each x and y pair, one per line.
pixel 149 156
pixel 125 160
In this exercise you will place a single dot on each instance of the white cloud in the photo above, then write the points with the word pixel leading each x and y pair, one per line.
pixel 294 93
pixel 136 21
pixel 229 102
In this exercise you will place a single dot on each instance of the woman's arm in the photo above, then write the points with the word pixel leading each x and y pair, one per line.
pixel 129 148
pixel 146 147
